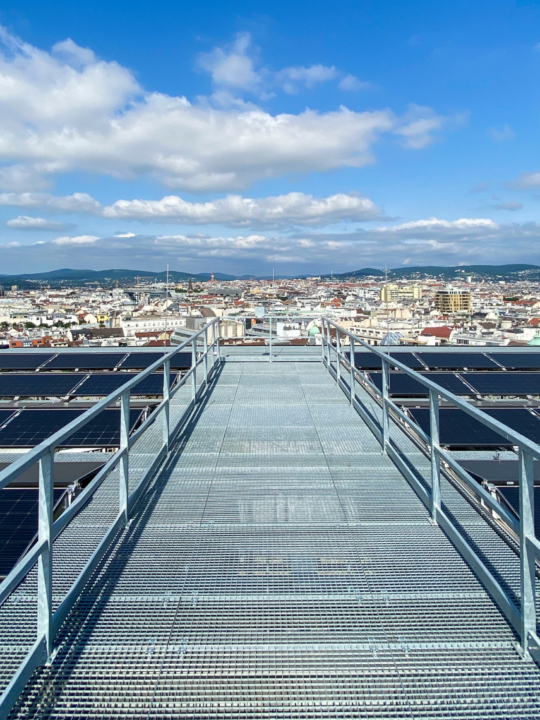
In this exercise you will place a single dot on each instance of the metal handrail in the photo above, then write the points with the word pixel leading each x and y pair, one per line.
pixel 523 619
pixel 49 622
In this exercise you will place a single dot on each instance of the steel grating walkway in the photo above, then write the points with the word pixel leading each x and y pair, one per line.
pixel 279 566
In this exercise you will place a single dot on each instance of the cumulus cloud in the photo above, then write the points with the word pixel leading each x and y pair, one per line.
pixel 292 209
pixel 76 203
pixel 236 66
pixel 67 110
pixel 77 240
pixel 25 222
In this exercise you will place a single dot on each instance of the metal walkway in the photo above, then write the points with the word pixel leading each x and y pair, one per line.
pixel 278 566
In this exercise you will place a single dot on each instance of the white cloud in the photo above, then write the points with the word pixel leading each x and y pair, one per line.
pixel 67 110
pixel 232 66
pixel 78 240
pixel 78 202
pixel 350 83
pixel 431 241
pixel 418 126
pixel 293 79
pixel 501 135
pixel 293 209
pixel 24 222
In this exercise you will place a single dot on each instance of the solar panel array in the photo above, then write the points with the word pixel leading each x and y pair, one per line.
pixel 85 361
pixel 22 361
pixel 38 385
pixel 504 383
pixel 402 385
pixel 140 361
pixel 460 429
pixel 19 523
pixel 105 383
pixel 423 359
pixel 32 426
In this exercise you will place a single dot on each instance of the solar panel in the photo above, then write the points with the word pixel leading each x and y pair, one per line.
pixel 366 361
pixel 459 428
pixel 85 361
pixel 511 495
pixel 504 383
pixel 38 384
pixel 409 359
pixel 104 384
pixel 456 361
pixel 22 361
pixel 402 385
pixel 19 523
pixel 140 361
pixel 518 361
pixel 370 361
pixel 32 426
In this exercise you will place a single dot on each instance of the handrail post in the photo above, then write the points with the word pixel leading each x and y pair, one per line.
pixel 322 342
pixel 270 340
pixel 385 383
pixel 527 552
pixel 434 436
pixel 46 499
pixel 212 346
pixel 338 357
pixel 351 365
pixel 217 340
pixel 124 462
pixel 194 368
pixel 166 401
pixel 205 347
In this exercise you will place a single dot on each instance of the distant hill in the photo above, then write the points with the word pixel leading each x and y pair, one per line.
pixel 66 277
pixel 446 273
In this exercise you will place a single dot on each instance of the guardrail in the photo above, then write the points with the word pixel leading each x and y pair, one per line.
pixel 270 319
pixel 522 618
pixel 49 622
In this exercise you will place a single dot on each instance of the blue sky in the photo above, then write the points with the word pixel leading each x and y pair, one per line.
pixel 224 137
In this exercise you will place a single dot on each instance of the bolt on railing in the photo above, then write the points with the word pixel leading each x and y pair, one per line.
pixel 49 622
pixel 523 619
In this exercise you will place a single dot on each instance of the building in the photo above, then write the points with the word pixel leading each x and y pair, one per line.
pixel 451 300
pixel 395 293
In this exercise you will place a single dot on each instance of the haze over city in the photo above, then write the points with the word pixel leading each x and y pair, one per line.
pixel 241 139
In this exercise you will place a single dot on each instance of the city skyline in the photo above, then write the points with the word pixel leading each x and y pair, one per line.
pixel 219 139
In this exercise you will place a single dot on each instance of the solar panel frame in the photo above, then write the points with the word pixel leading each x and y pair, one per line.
pixel 457 361
pixel 140 361
pixel 38 384
pixel 504 383
pixel 5 415
pixel 101 385
pixel 23 361
pixel 85 361
pixel 402 385
pixel 33 425
pixel 517 361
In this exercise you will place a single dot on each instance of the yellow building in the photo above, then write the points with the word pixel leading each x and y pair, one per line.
pixel 451 301
pixel 395 293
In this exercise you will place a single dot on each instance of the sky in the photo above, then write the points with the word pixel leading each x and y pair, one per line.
pixel 247 138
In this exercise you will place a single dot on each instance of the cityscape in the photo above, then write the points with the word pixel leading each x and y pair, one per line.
pixel 469 311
